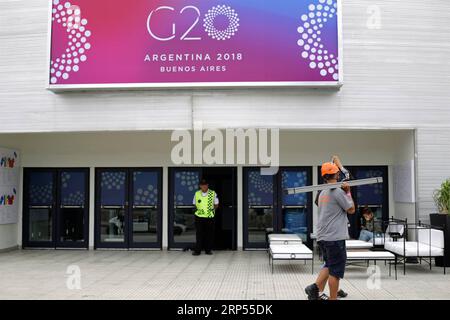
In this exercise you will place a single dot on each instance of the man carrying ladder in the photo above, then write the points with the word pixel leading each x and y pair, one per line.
pixel 332 231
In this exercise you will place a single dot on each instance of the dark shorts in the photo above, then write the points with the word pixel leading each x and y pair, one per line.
pixel 335 256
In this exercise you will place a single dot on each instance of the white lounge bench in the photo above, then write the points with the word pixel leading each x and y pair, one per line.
pixel 357 245
pixel 429 244
pixel 283 238
pixel 290 252
pixel 372 256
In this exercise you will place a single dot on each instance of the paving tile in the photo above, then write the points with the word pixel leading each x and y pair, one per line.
pixel 35 274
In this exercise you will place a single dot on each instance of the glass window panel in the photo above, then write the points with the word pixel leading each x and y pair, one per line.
pixel 113 189
pixel 185 185
pixel 260 206
pixel 370 194
pixel 71 221
pixel 260 188
pixel 41 189
pixel 73 188
pixel 145 225
pixel 294 209
pixel 112 225
pixel 145 206
pixel 40 225
pixel 293 179
pixel 145 188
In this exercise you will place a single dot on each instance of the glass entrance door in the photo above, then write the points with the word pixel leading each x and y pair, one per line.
pixel 182 223
pixel 128 208
pixel 295 215
pixel 260 205
pixel 73 208
pixel 39 207
pixel 145 211
pixel 267 209
pixel 184 182
pixel 56 208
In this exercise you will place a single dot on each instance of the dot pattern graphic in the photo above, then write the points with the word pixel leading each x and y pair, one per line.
pixel 371 194
pixel 186 184
pixel 113 180
pixel 313 50
pixel 209 21
pixel 294 179
pixel 147 194
pixel 261 189
pixel 69 17
pixel 41 194
pixel 72 197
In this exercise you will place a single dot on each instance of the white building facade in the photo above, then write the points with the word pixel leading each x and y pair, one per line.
pixel 392 110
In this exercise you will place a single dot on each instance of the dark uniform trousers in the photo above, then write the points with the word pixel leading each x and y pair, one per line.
pixel 204 234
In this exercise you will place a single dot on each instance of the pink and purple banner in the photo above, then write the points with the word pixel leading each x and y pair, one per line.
pixel 145 43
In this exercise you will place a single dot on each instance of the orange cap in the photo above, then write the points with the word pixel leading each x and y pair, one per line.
pixel 329 168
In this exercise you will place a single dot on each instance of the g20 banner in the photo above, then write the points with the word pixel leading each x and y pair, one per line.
pixel 172 43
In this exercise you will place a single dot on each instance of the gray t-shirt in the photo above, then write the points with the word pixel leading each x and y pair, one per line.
pixel 333 222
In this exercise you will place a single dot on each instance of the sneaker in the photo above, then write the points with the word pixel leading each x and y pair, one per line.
pixel 195 253
pixel 342 294
pixel 312 291
pixel 209 253
pixel 323 296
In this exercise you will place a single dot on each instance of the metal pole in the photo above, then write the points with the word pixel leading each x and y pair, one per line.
pixel 320 187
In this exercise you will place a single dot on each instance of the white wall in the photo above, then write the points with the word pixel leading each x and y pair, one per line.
pixel 395 76
pixel 128 149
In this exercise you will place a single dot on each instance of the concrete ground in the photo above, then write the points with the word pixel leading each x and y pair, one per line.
pixel 41 274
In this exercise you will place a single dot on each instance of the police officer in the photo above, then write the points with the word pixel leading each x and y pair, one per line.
pixel 206 202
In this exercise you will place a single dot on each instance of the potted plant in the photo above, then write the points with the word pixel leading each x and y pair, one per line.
pixel 442 219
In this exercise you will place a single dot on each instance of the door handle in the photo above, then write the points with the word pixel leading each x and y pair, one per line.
pixel 261 207
pixel 145 207
pixel 293 207
pixel 184 207
pixel 40 207
pixel 112 207
pixel 71 207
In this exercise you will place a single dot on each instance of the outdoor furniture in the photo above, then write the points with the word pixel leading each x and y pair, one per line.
pixel 395 229
pixel 284 238
pixel 357 245
pixel 429 244
pixel 373 256
pixel 290 252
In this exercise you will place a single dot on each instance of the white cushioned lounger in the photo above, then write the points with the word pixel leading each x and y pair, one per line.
pixel 282 238
pixel 372 256
pixel 290 252
pixel 413 249
pixel 357 244
pixel 430 244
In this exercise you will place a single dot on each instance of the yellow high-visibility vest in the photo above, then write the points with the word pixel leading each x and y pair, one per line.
pixel 205 204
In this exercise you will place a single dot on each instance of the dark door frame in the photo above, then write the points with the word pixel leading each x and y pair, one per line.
pixel 183 245
pixel 127 243
pixel 277 222
pixel 352 168
pixel 55 242
pixel 309 200
pixel 246 243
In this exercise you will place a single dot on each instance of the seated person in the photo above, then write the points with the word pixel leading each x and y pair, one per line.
pixel 367 225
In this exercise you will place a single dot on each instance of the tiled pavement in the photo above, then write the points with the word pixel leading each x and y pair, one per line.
pixel 41 274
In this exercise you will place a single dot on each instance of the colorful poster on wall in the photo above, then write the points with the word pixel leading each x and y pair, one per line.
pixel 9 186
pixel 194 43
